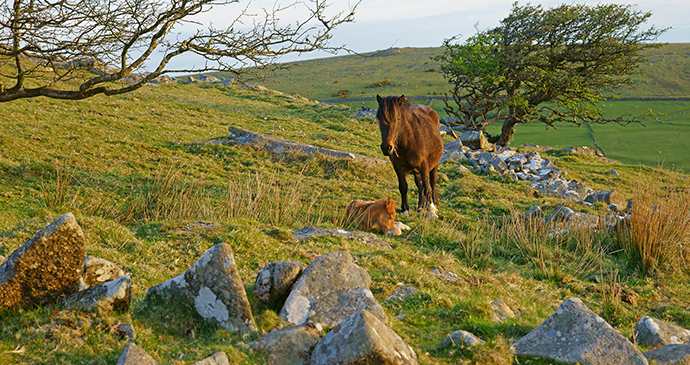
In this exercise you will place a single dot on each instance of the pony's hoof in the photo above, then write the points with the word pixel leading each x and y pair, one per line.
pixel 406 212
pixel 433 211
pixel 401 226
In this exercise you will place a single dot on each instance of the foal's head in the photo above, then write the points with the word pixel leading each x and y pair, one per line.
pixel 390 111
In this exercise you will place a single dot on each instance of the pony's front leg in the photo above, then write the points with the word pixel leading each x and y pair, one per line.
pixel 402 185
pixel 427 193
pixel 433 177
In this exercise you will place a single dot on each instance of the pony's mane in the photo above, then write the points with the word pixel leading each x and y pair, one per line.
pixel 389 104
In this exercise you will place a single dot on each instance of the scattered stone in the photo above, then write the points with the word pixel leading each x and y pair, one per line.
pixel 652 332
pixel 669 355
pixel 402 293
pixel 113 295
pixel 608 197
pixel 447 276
pixel 219 358
pixel 461 338
pixel 613 172
pixel 46 267
pixel 362 338
pixel 366 112
pixel 98 271
pixel 291 345
pixel 563 213
pixel 365 238
pixel 135 355
pixel 125 331
pixel 331 288
pixel 276 279
pixel 576 334
pixel 213 284
pixel 475 140
pixel 534 213
pixel 500 311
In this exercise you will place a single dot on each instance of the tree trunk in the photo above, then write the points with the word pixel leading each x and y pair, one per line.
pixel 507 132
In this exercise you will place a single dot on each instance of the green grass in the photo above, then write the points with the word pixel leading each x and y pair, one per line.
pixel 124 166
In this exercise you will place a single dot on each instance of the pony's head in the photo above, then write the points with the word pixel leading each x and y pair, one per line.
pixel 386 218
pixel 389 113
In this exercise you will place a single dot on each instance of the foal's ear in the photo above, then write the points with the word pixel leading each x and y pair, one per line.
pixel 401 99
pixel 379 98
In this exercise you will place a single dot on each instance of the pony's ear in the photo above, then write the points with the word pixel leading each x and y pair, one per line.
pixel 401 99
pixel 379 98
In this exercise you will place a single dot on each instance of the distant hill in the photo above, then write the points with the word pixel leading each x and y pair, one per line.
pixel 411 71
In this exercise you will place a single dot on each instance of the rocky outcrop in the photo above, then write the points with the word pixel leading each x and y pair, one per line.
pixel 219 358
pixel 669 355
pixel 113 295
pixel 135 355
pixel 365 238
pixel 362 338
pixel 46 267
pixel 214 287
pixel 575 334
pixel 461 338
pixel 98 271
pixel 291 345
pixel 276 279
pixel 331 288
pixel 652 332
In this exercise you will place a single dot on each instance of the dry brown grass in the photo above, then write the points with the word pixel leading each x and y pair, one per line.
pixel 659 228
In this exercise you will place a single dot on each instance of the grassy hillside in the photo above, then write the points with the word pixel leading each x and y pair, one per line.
pixel 410 71
pixel 123 165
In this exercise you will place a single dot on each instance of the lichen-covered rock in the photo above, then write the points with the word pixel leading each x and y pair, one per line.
pixel 113 295
pixel 46 267
pixel 362 339
pixel 403 292
pixel 652 332
pixel 291 345
pixel 98 271
pixel 276 279
pixel 575 334
pixel 500 311
pixel 669 355
pixel 214 287
pixel 365 238
pixel 460 338
pixel 331 288
pixel 476 141
pixel 219 358
pixel 608 197
pixel 135 355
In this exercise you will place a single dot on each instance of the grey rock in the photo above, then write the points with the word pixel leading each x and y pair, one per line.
pixel 276 279
pixel 214 286
pixel 575 334
pixel 608 197
pixel 362 339
pixel 476 141
pixel 46 267
pixel 126 330
pixel 563 213
pixel 585 150
pixel 113 295
pixel 653 332
pixel 98 271
pixel 291 345
pixel 219 358
pixel 208 78
pixel 453 156
pixel 669 355
pixel 534 213
pixel 580 188
pixel 331 288
pixel 613 172
pixel 447 276
pixel 461 338
pixel 454 145
pixel 365 238
pixel 500 311
pixel 402 293
pixel 135 355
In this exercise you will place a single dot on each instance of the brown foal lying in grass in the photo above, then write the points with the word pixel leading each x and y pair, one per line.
pixel 374 216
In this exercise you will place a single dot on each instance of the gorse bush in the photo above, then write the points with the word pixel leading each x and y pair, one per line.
pixel 657 233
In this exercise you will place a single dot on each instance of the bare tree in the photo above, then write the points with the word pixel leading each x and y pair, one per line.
pixel 75 49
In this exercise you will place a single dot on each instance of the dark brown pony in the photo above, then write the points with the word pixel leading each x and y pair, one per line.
pixel 410 137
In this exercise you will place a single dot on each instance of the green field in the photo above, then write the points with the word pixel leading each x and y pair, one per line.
pixel 410 71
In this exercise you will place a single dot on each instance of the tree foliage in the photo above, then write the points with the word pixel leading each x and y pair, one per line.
pixel 49 46
pixel 545 65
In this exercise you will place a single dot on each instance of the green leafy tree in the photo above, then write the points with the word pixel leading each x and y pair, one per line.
pixel 545 65
pixel 80 48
